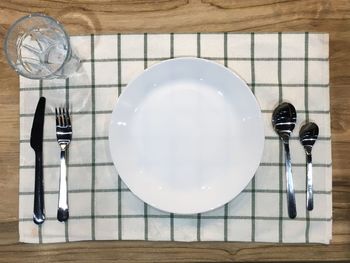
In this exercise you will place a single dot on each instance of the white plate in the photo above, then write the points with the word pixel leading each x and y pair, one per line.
pixel 186 136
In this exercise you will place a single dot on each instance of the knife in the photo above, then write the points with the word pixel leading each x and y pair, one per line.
pixel 36 142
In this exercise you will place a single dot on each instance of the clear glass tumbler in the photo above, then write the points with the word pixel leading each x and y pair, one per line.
pixel 38 47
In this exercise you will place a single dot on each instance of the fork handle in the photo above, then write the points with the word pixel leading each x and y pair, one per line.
pixel 63 212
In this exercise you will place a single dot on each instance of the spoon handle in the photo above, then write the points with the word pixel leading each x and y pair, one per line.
pixel 292 211
pixel 309 191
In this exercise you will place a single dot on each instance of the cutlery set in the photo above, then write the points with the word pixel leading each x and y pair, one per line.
pixel 283 121
pixel 64 137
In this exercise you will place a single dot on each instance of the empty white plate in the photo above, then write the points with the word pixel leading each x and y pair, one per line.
pixel 186 136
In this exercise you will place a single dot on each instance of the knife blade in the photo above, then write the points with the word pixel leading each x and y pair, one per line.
pixel 36 142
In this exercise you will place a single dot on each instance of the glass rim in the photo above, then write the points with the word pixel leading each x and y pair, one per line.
pixel 11 28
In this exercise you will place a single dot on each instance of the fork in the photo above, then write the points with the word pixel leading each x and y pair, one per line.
pixel 64 137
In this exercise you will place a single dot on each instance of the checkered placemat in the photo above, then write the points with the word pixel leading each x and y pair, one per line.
pixel 277 67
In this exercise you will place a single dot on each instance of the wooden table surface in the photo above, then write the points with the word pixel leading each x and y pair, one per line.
pixel 92 16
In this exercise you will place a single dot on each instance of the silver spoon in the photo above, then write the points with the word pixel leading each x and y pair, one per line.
pixel 308 135
pixel 283 121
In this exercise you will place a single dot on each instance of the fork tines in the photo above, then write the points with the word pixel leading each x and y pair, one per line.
pixel 62 117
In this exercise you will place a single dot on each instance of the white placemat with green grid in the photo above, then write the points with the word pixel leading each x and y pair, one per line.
pixel 278 67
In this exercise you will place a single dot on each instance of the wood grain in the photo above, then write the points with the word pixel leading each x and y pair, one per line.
pixel 91 16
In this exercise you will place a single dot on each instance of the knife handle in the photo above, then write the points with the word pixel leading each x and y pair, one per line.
pixel 38 213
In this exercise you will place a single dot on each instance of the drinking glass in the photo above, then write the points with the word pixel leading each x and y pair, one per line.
pixel 38 47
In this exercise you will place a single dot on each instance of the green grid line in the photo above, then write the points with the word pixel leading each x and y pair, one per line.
pixel 101 86
pixel 100 138
pixel 303 111
pixel 105 138
pixel 198 215
pixel 93 157
pixel 120 226
pixel 145 64
pixel 193 217
pixel 329 165
pixel 226 222
pixel 199 45
pixel 40 88
pixel 225 50
pixel 226 205
pixel 119 85
pixel 58 87
pixel 101 60
pixel 306 101
pixel 199 219
pixel 171 45
pixel 272 138
pixel 252 65
pixel 208 33
pixel 113 190
pixel 96 112
pixel 280 98
pixel 145 216
pixel 23 115
pixel 172 229
pixel 77 191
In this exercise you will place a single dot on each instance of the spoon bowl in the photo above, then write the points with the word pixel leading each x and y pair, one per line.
pixel 284 118
pixel 308 135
